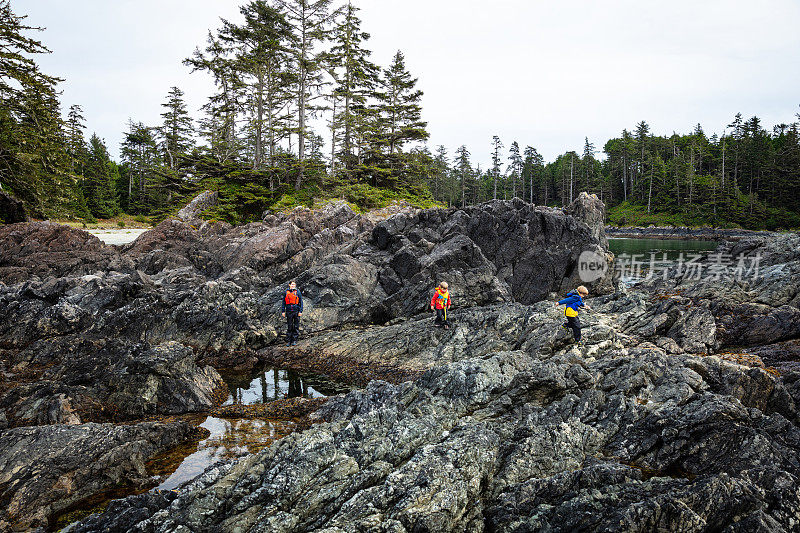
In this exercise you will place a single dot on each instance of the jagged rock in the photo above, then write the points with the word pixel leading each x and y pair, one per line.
pixel 12 210
pixel 511 442
pixel 500 423
pixel 45 470
pixel 590 209
pixel 114 382
pixel 49 249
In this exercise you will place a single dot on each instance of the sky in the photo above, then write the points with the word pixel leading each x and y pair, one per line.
pixel 542 73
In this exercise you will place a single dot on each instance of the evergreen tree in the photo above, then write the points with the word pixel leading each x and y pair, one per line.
pixel 311 20
pixel 176 130
pixel 222 109
pixel 356 78
pixel 497 146
pixel 515 168
pixel 140 156
pixel 98 185
pixel 464 171
pixel 400 110
pixel 264 42
pixel 34 157
pixel 588 163
pixel 76 124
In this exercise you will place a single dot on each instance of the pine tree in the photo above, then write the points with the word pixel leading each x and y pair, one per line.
pixel 219 125
pixel 356 78
pixel 464 171
pixel 76 124
pixel 642 132
pixel 176 130
pixel 441 172
pixel 263 42
pixel 497 146
pixel 140 156
pixel 311 21
pixel 98 185
pixel 588 163
pixel 34 157
pixel 400 111
pixel 515 168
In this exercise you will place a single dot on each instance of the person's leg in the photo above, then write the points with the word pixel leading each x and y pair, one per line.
pixel 444 319
pixel 575 326
pixel 439 317
pixel 288 328
pixel 295 327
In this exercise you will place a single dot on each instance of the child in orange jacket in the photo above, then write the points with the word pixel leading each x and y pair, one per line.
pixel 440 303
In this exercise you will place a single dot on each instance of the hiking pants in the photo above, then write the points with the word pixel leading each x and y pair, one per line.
pixel 575 325
pixel 292 326
pixel 440 317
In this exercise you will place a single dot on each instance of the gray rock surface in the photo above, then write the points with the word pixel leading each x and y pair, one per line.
pixel 45 470
pixel 498 424
pixel 115 382
pixel 628 439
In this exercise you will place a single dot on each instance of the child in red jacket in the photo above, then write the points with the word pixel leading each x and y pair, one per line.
pixel 440 303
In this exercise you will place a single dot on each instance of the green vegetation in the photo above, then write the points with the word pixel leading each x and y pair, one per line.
pixel 748 177
pixel 291 63
pixel 627 214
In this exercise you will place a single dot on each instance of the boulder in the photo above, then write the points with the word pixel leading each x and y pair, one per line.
pixel 48 249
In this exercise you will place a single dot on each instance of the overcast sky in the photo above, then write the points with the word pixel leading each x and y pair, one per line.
pixel 543 73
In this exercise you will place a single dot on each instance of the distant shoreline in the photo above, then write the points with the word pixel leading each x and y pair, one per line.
pixel 681 233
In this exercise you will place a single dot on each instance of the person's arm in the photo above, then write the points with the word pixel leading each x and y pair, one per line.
pixel 433 300
pixel 300 302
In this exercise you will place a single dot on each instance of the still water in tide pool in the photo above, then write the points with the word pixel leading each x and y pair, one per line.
pixel 230 438
pixel 270 384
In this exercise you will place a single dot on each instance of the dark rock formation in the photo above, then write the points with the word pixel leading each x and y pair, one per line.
pixel 500 423
pixel 631 440
pixel 11 209
pixel 49 250
pixel 115 382
pixel 45 470
pixel 100 333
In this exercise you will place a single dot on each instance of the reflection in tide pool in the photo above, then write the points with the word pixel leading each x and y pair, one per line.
pixel 270 384
pixel 228 439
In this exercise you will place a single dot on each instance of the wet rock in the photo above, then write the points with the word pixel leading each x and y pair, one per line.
pixel 115 382
pixel 47 469
pixel 514 442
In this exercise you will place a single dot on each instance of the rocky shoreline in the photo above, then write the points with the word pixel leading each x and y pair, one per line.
pixel 678 412
pixel 682 233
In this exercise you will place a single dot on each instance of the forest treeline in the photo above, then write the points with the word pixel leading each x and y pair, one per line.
pixel 747 176
pixel 302 113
